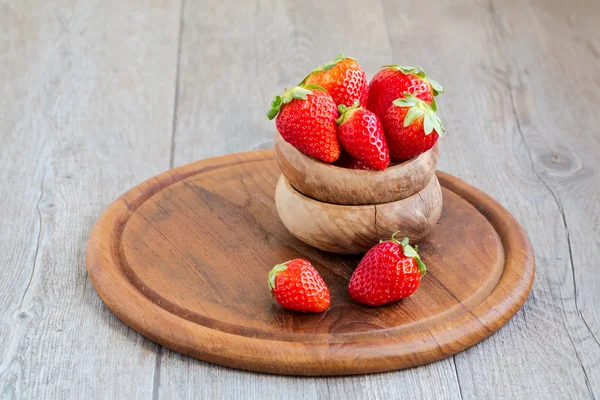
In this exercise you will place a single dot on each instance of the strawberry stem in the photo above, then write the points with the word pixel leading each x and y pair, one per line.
pixel 411 252
pixel 274 272
pixel 345 112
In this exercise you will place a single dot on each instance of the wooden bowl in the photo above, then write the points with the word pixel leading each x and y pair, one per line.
pixel 355 229
pixel 331 184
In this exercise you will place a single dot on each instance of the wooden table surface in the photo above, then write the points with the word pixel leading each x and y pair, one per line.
pixel 96 96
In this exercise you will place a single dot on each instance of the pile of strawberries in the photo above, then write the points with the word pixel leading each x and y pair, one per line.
pixel 336 116
pixel 390 271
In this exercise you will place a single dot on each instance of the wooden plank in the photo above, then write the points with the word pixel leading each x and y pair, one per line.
pixel 231 63
pixel 539 354
pixel 228 78
pixel 82 85
pixel 222 100
pixel 234 59
pixel 86 100
pixel 563 149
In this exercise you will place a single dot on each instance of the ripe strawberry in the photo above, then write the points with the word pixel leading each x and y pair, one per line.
pixel 306 118
pixel 389 271
pixel 297 285
pixel 346 161
pixel 411 128
pixel 361 135
pixel 393 81
pixel 343 78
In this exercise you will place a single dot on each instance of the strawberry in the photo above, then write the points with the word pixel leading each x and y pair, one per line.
pixel 297 285
pixel 346 161
pixel 361 135
pixel 343 78
pixel 389 271
pixel 411 128
pixel 393 81
pixel 306 118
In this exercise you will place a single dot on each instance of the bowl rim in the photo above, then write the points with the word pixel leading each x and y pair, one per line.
pixel 368 172
pixel 287 183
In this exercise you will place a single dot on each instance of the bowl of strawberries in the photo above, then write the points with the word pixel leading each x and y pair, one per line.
pixel 358 158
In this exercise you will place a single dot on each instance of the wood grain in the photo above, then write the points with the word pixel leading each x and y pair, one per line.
pixel 63 112
pixel 163 259
pixel 86 101
pixel 331 184
pixel 355 229
pixel 561 157
pixel 288 39
pixel 510 157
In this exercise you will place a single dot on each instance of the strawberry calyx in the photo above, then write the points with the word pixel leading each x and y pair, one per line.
pixel 274 272
pixel 420 108
pixel 410 251
pixel 346 112
pixel 327 66
pixel 299 92
pixel 330 64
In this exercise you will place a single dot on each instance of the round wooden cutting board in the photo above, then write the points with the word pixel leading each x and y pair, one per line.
pixel 183 259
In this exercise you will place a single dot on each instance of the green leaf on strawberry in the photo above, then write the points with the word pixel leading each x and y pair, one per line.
pixel 312 86
pixel 273 273
pixel 437 88
pixel 419 108
pixel 298 92
pixel 410 251
pixel 330 64
pixel 275 107
pixel 345 111
pixel 327 66
pixel 407 70
pixel 413 113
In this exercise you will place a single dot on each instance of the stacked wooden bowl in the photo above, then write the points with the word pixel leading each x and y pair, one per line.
pixel 348 211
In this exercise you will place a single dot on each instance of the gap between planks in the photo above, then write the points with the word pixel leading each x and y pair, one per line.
pixel 176 90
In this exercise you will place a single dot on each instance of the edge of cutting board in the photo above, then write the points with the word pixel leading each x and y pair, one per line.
pixel 295 358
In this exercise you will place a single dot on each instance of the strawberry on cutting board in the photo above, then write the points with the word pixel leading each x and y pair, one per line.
pixel 306 118
pixel 297 286
pixel 390 271
pixel 392 81
pixel 411 127
pixel 361 135
pixel 343 78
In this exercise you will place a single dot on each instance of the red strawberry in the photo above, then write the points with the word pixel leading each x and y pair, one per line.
pixel 346 161
pixel 411 128
pixel 393 81
pixel 343 78
pixel 297 285
pixel 306 118
pixel 361 135
pixel 389 271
